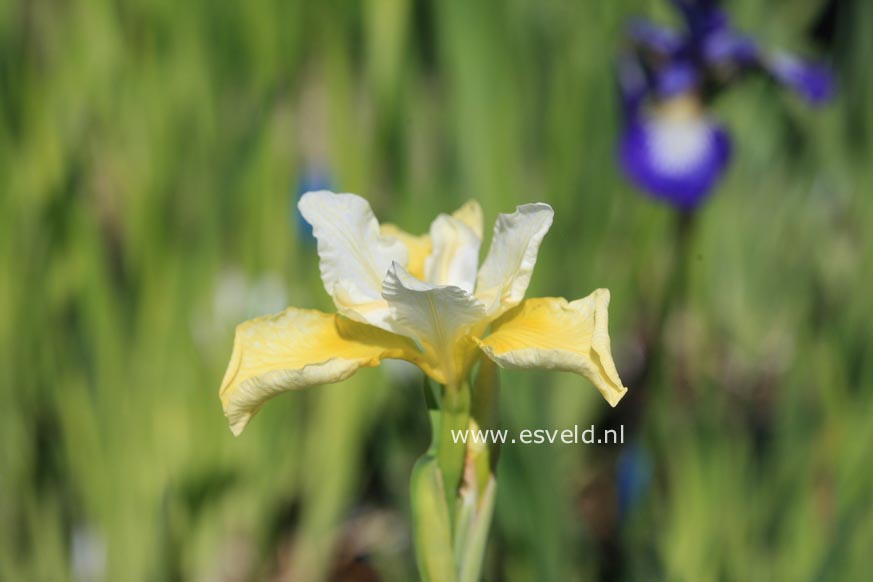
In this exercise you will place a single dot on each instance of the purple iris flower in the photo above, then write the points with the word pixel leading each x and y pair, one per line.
pixel 670 146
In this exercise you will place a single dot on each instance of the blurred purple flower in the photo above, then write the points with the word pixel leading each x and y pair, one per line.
pixel 670 146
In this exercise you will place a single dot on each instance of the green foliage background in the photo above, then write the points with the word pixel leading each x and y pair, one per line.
pixel 150 153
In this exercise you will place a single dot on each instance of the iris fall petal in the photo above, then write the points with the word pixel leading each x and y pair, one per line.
pixel 554 334
pixel 676 158
pixel 298 348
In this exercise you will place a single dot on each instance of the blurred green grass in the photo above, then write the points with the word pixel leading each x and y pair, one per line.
pixel 149 157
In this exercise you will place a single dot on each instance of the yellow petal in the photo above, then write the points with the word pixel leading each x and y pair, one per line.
pixel 554 334
pixel 419 247
pixel 299 348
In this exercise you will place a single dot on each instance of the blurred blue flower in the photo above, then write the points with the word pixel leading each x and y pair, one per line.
pixel 633 475
pixel 670 146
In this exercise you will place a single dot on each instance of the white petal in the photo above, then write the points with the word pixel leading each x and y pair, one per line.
pixel 438 317
pixel 455 255
pixel 354 256
pixel 471 215
pixel 506 272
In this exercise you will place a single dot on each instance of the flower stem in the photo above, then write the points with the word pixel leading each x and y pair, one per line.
pixel 431 519
pixel 453 485
pixel 431 525
pixel 454 418
pixel 676 293
pixel 676 299
pixel 477 536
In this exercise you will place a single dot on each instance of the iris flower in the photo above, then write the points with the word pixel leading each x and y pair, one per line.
pixel 671 147
pixel 424 299
pixel 312 177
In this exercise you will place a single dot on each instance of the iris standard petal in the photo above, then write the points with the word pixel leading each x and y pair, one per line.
pixel 658 40
pixel 299 348
pixel 677 78
pixel 354 256
pixel 454 259
pixel 506 271
pixel 438 317
pixel 727 49
pixel 418 247
pixel 471 215
pixel 702 17
pixel 554 334
pixel 312 178
pixel 675 157
pixel 814 83
pixel 633 86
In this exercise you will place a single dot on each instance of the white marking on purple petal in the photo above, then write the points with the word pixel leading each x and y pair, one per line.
pixel 677 159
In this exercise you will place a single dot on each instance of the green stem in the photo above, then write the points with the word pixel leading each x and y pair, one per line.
pixel 454 417
pixel 477 536
pixel 453 484
pixel 431 523
pixel 480 483
pixel 678 303
pixel 486 395
pixel 431 520
pixel 673 297
pixel 676 293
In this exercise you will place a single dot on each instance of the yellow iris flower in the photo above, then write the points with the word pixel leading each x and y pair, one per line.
pixel 423 299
